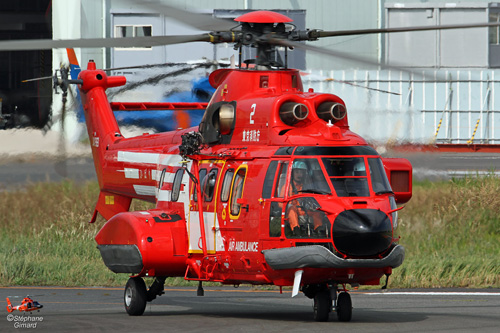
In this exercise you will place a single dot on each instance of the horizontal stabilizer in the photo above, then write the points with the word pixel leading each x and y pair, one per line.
pixel 110 204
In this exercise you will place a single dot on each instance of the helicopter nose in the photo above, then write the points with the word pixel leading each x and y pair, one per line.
pixel 362 232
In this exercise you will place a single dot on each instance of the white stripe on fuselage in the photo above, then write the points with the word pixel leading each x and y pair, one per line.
pixel 145 190
pixel 131 173
pixel 131 157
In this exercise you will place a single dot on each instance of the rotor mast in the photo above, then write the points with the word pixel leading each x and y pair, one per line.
pixel 263 30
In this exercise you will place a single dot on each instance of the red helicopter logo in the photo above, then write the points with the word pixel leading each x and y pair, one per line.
pixel 27 305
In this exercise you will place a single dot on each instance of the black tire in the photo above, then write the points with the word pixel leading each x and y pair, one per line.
pixel 322 305
pixel 344 307
pixel 135 296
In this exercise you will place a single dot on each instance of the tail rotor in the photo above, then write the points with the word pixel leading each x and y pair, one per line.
pixel 61 81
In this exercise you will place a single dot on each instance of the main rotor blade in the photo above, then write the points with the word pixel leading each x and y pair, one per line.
pixel 346 56
pixel 405 29
pixel 201 21
pixel 37 79
pixel 166 64
pixel 47 44
pixel 332 53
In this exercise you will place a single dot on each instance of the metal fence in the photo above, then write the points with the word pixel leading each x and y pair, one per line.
pixel 418 107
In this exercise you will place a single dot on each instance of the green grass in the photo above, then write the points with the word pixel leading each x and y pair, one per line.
pixel 451 232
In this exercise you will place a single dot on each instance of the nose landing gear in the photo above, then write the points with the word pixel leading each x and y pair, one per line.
pixel 344 307
pixel 326 300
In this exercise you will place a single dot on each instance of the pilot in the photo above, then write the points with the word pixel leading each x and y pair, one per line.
pixel 296 213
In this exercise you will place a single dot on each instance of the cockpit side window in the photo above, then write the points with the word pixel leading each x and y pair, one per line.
pixel 380 183
pixel 347 175
pixel 267 189
pixel 279 190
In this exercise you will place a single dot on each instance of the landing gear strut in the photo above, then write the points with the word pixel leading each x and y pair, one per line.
pixel 136 294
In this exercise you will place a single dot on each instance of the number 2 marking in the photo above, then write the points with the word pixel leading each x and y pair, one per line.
pixel 252 113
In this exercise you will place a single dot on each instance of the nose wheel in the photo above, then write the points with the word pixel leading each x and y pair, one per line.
pixel 344 307
pixel 135 296
pixel 322 305
pixel 326 299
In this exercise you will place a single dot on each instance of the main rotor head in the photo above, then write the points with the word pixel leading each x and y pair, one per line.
pixel 263 30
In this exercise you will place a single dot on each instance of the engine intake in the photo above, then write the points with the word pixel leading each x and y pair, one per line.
pixel 226 118
pixel 291 113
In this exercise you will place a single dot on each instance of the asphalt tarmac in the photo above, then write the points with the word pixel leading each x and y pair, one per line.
pixel 226 309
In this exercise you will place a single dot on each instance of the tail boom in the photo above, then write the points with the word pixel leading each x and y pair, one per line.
pixel 101 123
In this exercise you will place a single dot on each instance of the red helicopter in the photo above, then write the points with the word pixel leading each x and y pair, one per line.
pixel 27 305
pixel 272 188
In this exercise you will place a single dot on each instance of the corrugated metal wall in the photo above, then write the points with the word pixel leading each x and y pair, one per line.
pixel 443 107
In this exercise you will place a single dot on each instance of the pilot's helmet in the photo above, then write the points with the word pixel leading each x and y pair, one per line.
pixel 359 168
pixel 299 165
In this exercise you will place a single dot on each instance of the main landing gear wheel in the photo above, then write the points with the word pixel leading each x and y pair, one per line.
pixel 322 305
pixel 344 307
pixel 135 296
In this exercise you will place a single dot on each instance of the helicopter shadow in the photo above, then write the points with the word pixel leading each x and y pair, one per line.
pixel 270 309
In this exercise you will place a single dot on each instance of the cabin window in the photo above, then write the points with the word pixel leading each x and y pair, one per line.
pixel 162 178
pixel 201 178
pixel 269 180
pixel 176 187
pixel 380 183
pixel 226 185
pixel 347 175
pixel 209 185
pixel 237 191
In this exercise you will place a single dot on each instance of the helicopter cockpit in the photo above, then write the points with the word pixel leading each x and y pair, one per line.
pixel 319 175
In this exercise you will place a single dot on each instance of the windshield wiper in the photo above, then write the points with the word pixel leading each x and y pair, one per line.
pixel 315 191
pixel 384 192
